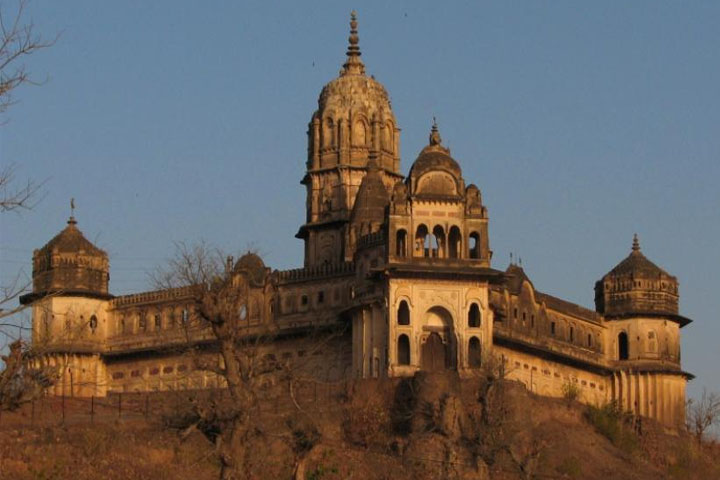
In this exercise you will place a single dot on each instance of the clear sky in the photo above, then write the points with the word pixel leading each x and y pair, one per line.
pixel 581 122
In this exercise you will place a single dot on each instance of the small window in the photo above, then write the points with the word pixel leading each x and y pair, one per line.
pixel 401 243
pixel 552 328
pixel 182 368
pixel 168 370
pixel 589 340
pixel 572 334
pixel 474 316
pixel 142 322
pixel 135 373
pixel 403 314
pixel 93 323
pixel 118 375
pixel 304 300
pixel 321 297
pixel 185 316
pixel 154 371
pixel 158 322
pixel 515 312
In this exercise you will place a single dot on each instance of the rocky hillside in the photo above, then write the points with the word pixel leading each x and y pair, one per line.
pixel 432 426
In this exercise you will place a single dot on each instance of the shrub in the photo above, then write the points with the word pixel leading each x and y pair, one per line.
pixel 571 391
pixel 570 467
pixel 611 422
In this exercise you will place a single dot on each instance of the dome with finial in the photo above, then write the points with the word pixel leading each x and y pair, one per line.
pixel 70 264
pixel 636 286
pixel 354 117
pixel 435 172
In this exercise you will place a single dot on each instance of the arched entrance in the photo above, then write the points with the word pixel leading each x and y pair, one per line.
pixel 438 350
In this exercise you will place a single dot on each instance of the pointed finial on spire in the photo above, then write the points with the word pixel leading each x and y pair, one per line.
pixel 71 220
pixel 636 243
pixel 435 134
pixel 353 63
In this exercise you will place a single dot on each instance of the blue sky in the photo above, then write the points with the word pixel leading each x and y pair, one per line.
pixel 582 123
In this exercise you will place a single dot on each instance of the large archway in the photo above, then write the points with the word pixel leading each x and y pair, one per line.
pixel 438 350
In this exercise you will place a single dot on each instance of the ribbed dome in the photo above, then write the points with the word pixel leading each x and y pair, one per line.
pixel 71 240
pixel 637 264
pixel 354 117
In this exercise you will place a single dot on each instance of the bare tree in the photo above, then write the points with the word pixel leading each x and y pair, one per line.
pixel 220 296
pixel 18 39
pixel 22 379
pixel 702 414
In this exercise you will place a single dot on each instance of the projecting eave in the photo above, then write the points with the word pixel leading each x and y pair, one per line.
pixel 439 271
pixel 679 319
pixel 304 229
pixel 29 298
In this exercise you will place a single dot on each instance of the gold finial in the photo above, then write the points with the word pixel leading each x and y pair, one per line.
pixel 353 63
pixel 435 134
pixel 636 243
pixel 71 220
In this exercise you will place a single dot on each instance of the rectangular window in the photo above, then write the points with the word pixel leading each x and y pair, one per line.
pixel 321 297
pixel 552 328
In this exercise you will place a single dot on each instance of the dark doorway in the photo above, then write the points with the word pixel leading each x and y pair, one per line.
pixel 474 353
pixel 434 354
pixel 623 346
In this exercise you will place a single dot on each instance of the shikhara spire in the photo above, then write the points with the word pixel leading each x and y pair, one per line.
pixel 353 65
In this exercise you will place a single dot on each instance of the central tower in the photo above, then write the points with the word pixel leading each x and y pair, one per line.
pixel 353 123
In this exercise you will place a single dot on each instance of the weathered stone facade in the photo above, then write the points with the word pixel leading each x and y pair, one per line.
pixel 405 263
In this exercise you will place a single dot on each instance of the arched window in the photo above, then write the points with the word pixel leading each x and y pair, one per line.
pixel 158 322
pixel 403 314
pixel 401 243
pixel 439 234
pixel 474 245
pixel 93 323
pixel 454 242
pixel 474 353
pixel 420 235
pixel 430 248
pixel 572 334
pixel 185 316
pixel 623 346
pixel 474 316
pixel 589 340
pixel 403 350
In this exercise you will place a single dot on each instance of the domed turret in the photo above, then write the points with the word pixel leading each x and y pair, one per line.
pixel 435 172
pixel 353 118
pixel 353 122
pixel 70 264
pixel 636 286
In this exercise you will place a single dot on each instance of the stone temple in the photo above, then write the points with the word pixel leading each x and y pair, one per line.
pixel 404 261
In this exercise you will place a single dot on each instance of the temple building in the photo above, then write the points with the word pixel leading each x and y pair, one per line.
pixel 404 261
